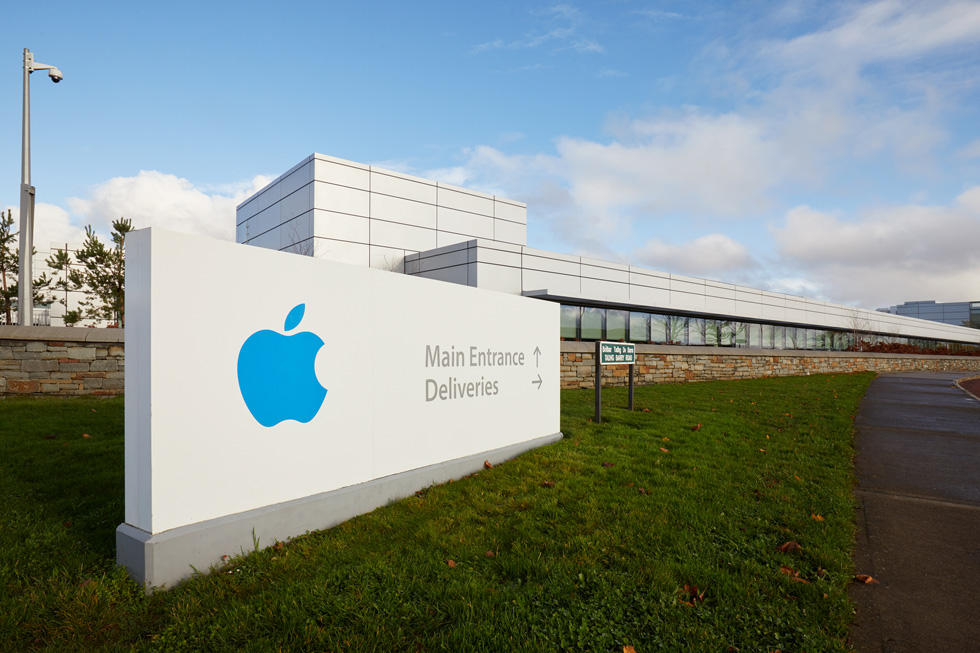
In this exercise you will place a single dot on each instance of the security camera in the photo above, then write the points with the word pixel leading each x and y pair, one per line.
pixel 55 75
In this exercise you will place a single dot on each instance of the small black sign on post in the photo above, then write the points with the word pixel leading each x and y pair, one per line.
pixel 612 353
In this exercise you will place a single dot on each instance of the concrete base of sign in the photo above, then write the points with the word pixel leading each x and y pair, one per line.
pixel 164 559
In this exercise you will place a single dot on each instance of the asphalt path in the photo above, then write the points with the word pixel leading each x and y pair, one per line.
pixel 918 493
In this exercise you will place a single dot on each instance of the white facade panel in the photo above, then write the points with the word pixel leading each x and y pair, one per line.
pixel 771 312
pixel 748 309
pixel 605 273
pixel 509 232
pixel 719 289
pixel 447 259
pixel 534 261
pixel 498 277
pixel 267 197
pixel 342 174
pixel 495 256
pixel 641 277
pixel 687 286
pixel 461 222
pixel 341 251
pixel 445 239
pixel 469 201
pixel 687 301
pixel 509 211
pixel 719 305
pixel 608 290
pixel 341 226
pixel 263 221
pixel 297 179
pixel 392 234
pixel 246 210
pixel 341 199
pixel 404 186
pixel 269 240
pixel 387 258
pixel 555 283
pixel 648 297
pixel 296 203
pixel 294 233
pixel 398 209
pixel 458 274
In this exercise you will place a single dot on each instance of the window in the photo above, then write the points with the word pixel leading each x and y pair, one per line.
pixel 570 316
pixel 639 326
pixel 616 324
pixel 697 331
pixel 593 323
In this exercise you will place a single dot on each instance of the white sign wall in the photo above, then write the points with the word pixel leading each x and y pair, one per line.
pixel 255 378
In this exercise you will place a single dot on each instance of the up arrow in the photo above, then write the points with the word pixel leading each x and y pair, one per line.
pixel 537 355
pixel 538 382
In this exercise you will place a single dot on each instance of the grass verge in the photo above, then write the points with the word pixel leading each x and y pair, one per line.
pixel 659 529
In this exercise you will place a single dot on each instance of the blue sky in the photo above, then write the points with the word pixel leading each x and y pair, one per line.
pixel 830 149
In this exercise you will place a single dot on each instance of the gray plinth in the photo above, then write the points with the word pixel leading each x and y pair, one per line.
pixel 164 559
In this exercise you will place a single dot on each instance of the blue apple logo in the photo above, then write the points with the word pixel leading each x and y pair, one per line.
pixel 276 374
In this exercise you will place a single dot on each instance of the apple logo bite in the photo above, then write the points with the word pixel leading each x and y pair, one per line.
pixel 276 373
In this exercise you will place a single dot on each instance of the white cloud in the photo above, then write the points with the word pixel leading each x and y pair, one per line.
pixel 156 199
pixel 714 256
pixel 565 36
pixel 887 255
pixel 53 226
pixel 885 31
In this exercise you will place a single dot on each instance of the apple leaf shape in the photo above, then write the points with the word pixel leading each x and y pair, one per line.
pixel 295 317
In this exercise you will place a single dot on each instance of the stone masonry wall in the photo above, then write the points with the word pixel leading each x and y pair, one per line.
pixel 60 361
pixel 673 364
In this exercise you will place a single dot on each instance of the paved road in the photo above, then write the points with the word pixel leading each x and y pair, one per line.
pixel 918 491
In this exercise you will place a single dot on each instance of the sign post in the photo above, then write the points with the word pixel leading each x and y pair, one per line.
pixel 612 353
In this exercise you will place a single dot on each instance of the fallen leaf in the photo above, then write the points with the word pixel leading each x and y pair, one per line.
pixel 664 450
pixel 797 478
pixel 762 450
pixel 629 649
pixel 86 435
pixel 548 484
pixel 67 524
pixel 451 563
pixel 488 464
pixel 608 464
pixel 817 517
pixel 696 427
pixel 51 437
pixel 490 554
pixel 94 411
pixel 866 579
pixel 666 439
pixel 642 491
pixel 794 575
pixel 646 410
pixel 788 547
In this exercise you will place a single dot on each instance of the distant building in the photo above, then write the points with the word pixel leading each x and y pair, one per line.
pixel 958 313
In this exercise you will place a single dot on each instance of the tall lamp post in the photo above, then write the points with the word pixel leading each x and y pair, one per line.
pixel 25 280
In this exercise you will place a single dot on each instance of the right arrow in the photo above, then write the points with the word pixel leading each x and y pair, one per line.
pixel 538 382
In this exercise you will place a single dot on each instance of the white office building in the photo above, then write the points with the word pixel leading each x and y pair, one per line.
pixel 364 215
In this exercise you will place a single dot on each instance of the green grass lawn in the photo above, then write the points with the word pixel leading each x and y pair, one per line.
pixel 591 544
